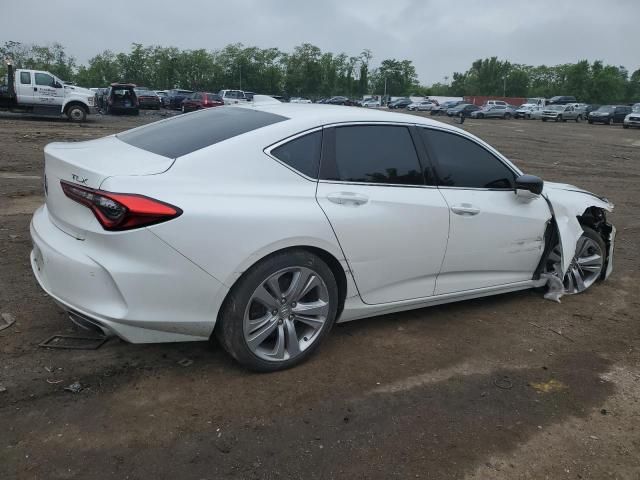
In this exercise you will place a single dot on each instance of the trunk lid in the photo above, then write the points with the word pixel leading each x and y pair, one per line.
pixel 89 164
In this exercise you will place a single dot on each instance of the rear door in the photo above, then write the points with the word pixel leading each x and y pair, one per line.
pixel 24 87
pixel 391 223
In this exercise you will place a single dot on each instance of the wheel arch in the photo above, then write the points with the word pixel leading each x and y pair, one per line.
pixel 333 260
pixel 73 103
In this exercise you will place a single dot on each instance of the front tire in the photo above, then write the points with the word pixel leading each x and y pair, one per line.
pixel 587 266
pixel 76 114
pixel 279 311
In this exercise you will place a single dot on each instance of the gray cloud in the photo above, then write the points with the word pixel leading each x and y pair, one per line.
pixel 440 36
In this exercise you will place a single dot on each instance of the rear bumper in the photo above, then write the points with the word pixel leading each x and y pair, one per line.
pixel 132 285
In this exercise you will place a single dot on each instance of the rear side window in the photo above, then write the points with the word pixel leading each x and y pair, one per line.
pixel 185 134
pixel 301 154
pixel 463 163
pixel 25 78
pixel 375 154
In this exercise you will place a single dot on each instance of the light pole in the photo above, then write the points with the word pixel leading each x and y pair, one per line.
pixel 385 89
pixel 504 86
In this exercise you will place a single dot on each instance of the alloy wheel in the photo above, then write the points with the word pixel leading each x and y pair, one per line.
pixel 586 266
pixel 286 313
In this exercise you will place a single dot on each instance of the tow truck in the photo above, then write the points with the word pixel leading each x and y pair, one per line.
pixel 37 92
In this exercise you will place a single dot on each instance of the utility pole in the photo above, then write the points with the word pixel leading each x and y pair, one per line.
pixel 240 68
pixel 504 86
pixel 385 88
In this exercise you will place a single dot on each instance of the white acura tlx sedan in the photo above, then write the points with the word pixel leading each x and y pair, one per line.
pixel 264 225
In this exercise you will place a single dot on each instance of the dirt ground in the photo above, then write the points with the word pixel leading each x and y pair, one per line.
pixel 508 387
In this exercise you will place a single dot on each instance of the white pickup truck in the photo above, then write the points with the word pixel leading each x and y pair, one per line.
pixel 41 93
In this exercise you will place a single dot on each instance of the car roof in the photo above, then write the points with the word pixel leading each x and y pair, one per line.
pixel 123 85
pixel 324 114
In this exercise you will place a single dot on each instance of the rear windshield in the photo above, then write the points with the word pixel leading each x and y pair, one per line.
pixel 185 134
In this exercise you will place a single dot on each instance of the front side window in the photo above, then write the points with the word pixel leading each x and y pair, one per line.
pixel 375 154
pixel 44 79
pixel 302 153
pixel 463 163
pixel 25 78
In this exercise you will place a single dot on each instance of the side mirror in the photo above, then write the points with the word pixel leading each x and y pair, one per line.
pixel 56 85
pixel 528 186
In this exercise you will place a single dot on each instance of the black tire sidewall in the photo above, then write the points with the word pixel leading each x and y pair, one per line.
pixel 70 116
pixel 229 328
pixel 595 236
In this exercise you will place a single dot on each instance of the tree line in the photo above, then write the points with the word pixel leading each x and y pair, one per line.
pixel 310 72
pixel 588 82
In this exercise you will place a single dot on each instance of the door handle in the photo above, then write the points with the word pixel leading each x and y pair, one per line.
pixel 35 89
pixel 348 198
pixel 465 209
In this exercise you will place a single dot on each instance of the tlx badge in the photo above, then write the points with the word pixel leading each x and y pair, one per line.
pixel 79 179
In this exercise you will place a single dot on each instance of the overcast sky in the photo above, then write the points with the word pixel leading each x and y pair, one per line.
pixel 440 36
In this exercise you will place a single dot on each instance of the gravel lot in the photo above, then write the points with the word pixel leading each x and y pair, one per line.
pixel 507 387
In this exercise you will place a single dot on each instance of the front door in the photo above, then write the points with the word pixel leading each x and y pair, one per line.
pixel 392 225
pixel 46 90
pixel 495 238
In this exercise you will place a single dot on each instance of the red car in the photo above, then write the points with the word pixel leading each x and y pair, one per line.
pixel 199 100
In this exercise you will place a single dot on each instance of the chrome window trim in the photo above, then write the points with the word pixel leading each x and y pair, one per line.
pixel 268 149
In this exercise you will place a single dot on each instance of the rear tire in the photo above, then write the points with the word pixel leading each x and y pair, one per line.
pixel 625 126
pixel 289 337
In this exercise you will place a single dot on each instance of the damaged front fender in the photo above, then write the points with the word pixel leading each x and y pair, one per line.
pixel 567 203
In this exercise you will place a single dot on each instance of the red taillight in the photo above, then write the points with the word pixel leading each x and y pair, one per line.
pixel 121 211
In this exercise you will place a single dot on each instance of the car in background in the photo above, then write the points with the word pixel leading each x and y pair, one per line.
pixel 635 108
pixel 371 103
pixel 231 97
pixel 147 98
pixel 590 108
pixel 561 100
pixel 494 111
pixel 200 100
pixel 442 109
pixel 339 100
pixel 632 119
pixel 299 100
pixel 162 95
pixel 121 99
pixel 462 110
pixel 175 96
pixel 493 103
pixel 101 98
pixel 400 103
pixel 525 110
pixel 248 96
pixel 421 106
pixel 561 113
pixel 610 114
